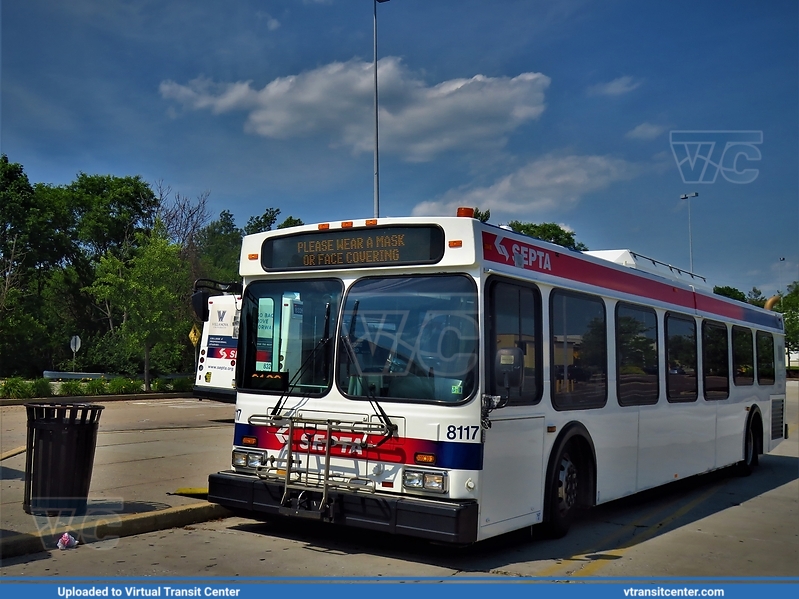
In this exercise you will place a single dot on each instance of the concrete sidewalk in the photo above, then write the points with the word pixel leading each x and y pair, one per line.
pixel 137 470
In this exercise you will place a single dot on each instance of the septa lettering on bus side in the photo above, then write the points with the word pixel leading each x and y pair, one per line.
pixel 521 255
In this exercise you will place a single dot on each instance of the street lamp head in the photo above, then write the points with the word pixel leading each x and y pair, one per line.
pixel 689 195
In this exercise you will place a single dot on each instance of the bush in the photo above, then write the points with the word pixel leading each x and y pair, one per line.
pixel 121 385
pixel 116 386
pixel 72 389
pixel 96 387
pixel 17 388
pixel 183 384
pixel 42 388
pixel 159 385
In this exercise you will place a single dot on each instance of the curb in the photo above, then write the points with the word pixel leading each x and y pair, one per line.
pixel 96 398
pixel 113 527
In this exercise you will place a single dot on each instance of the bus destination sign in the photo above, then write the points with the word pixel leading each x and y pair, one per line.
pixel 354 248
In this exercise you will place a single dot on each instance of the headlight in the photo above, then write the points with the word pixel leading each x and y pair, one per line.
pixel 413 480
pixel 240 459
pixel 247 459
pixel 428 481
pixel 254 460
pixel 434 482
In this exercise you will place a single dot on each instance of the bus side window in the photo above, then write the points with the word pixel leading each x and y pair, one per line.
pixel 681 381
pixel 743 357
pixel 765 358
pixel 637 356
pixel 715 360
pixel 579 351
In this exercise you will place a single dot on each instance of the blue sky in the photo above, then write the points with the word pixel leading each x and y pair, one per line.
pixel 539 111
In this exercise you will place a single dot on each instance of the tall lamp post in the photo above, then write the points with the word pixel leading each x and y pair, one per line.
pixel 377 162
pixel 690 235
pixel 782 293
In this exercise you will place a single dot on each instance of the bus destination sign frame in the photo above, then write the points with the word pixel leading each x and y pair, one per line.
pixel 365 247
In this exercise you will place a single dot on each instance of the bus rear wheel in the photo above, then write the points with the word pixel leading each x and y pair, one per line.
pixel 749 463
pixel 564 489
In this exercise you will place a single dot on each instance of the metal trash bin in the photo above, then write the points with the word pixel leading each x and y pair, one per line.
pixel 60 456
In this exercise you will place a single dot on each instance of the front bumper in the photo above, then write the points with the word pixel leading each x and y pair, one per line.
pixel 437 520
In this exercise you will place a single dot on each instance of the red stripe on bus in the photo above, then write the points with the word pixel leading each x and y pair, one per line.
pixel 512 252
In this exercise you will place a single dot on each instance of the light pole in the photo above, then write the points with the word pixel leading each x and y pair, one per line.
pixel 690 236
pixel 782 293
pixel 377 162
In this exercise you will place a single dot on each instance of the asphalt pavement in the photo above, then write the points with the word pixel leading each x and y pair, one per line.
pixel 146 476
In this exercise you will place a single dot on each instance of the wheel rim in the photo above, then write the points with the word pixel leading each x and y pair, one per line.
pixel 567 485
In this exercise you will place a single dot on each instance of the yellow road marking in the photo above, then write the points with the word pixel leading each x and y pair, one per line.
pixel 625 531
pixel 591 568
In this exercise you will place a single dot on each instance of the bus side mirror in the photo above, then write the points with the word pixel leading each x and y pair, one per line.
pixel 199 303
pixel 508 367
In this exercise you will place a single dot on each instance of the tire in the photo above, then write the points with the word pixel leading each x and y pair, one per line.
pixel 564 492
pixel 749 463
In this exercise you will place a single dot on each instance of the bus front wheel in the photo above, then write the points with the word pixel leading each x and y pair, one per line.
pixel 564 489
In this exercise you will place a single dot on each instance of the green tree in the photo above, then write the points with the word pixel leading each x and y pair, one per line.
pixel 151 289
pixel 290 222
pixel 219 248
pixel 551 232
pixel 111 211
pixel 730 292
pixel 756 297
pixel 482 216
pixel 37 241
pixel 789 307
pixel 265 222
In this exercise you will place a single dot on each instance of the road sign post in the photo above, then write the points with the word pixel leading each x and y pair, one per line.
pixel 74 344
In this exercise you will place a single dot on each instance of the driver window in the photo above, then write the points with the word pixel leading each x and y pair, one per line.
pixel 514 314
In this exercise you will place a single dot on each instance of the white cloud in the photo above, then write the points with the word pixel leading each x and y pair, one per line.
pixel 271 22
pixel 617 87
pixel 417 121
pixel 541 185
pixel 645 131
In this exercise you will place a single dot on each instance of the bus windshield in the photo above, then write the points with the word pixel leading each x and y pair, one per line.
pixel 409 338
pixel 285 331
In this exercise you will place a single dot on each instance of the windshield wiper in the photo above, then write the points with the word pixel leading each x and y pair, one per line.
pixel 304 366
pixel 391 428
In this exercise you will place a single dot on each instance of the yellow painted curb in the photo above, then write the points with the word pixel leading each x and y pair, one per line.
pixel 12 452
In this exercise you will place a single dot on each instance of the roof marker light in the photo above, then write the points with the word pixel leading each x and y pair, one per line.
pixel 347 224
pixel 371 222
pixel 464 211
pixel 324 226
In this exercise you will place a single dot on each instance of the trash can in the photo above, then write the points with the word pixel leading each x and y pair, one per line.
pixel 60 457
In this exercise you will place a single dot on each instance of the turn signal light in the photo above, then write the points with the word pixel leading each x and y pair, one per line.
pixel 425 458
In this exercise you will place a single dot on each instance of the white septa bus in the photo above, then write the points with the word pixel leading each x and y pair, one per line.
pixel 215 376
pixel 453 380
